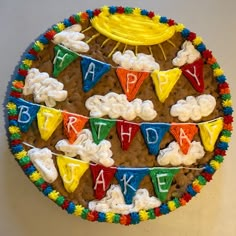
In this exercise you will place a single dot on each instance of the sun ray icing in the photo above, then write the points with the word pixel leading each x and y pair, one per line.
pixel 90 27
pixel 162 50
pixel 171 43
pixel 104 42
pixel 113 50
pixel 93 37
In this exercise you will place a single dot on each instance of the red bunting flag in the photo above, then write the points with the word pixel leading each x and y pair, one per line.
pixel 131 81
pixel 102 177
pixel 126 132
pixel 194 73
pixel 183 134
pixel 73 124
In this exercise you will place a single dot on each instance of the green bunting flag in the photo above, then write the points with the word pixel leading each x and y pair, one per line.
pixel 63 58
pixel 162 179
pixel 100 128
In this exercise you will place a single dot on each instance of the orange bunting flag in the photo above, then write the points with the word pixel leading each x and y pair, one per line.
pixel 71 171
pixel 209 132
pixel 48 121
pixel 165 81
pixel 131 81
pixel 73 124
pixel 183 134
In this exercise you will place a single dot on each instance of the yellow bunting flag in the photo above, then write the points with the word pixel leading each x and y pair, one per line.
pixel 165 81
pixel 48 120
pixel 71 170
pixel 209 132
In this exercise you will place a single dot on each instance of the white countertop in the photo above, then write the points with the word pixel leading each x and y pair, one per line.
pixel 24 211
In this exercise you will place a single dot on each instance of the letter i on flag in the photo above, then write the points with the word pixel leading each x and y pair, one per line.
pixel 131 81
pixel 153 134
pixel 27 113
pixel 63 58
pixel 129 180
pixel 48 120
pixel 100 128
pixel 162 179
pixel 92 71
pixel 102 177
pixel 126 132
pixel 73 124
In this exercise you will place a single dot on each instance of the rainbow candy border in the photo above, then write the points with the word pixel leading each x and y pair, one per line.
pixel 143 215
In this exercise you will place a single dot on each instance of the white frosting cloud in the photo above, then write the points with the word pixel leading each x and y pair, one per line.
pixel 193 108
pixel 44 88
pixel 114 202
pixel 139 62
pixel 172 155
pixel 72 39
pixel 42 160
pixel 115 105
pixel 188 54
pixel 87 149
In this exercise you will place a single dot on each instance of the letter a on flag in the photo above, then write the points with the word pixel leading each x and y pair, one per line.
pixel 71 170
pixel 131 81
pixel 153 134
pixel 183 134
pixel 162 179
pixel 165 81
pixel 102 177
pixel 92 71
pixel 209 132
pixel 73 124
pixel 48 120
pixel 27 113
pixel 194 73
pixel 129 180
pixel 63 58
pixel 100 128
pixel 126 132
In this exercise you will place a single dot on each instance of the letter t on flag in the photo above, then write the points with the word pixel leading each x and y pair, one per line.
pixel 162 179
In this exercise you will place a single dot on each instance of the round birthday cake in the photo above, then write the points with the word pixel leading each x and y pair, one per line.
pixel 119 115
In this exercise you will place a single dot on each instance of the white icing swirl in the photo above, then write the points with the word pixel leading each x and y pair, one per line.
pixel 139 62
pixel 42 160
pixel 72 39
pixel 87 149
pixel 114 202
pixel 44 88
pixel 193 108
pixel 188 54
pixel 172 155
pixel 115 105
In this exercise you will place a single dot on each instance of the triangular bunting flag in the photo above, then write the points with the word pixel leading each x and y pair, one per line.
pixel 183 134
pixel 153 134
pixel 100 128
pixel 126 132
pixel 194 73
pixel 209 132
pixel 63 58
pixel 48 120
pixel 162 179
pixel 165 81
pixel 131 81
pixel 129 180
pixel 27 113
pixel 102 177
pixel 73 124
pixel 71 170
pixel 92 71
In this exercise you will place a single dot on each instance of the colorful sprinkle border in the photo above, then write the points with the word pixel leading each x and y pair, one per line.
pixel 143 215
